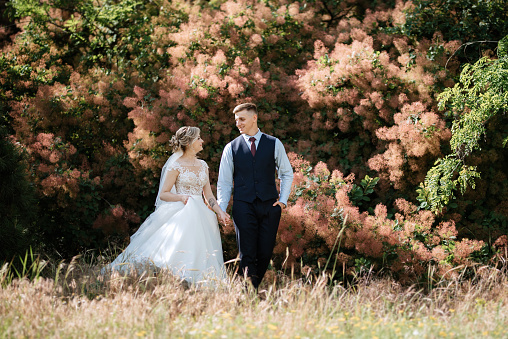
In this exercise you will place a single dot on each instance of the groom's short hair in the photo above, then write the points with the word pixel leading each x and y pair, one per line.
pixel 246 107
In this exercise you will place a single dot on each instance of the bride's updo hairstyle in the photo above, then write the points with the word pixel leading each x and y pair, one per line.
pixel 183 138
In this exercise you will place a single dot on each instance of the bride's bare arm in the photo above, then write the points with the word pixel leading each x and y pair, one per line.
pixel 212 202
pixel 169 182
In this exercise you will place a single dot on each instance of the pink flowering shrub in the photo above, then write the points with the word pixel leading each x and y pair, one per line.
pixel 377 87
pixel 352 96
pixel 324 222
pixel 73 135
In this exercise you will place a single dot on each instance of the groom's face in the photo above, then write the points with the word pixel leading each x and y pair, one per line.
pixel 246 122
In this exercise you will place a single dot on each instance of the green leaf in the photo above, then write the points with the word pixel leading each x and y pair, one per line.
pixel 502 47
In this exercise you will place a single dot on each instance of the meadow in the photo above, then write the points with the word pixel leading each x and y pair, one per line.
pixel 73 300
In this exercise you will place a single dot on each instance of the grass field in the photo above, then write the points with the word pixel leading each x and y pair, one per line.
pixel 80 303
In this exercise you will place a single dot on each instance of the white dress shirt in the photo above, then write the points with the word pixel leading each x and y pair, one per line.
pixel 226 168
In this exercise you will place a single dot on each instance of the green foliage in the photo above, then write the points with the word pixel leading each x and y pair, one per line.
pixel 110 34
pixel 481 94
pixel 442 181
pixel 17 204
pixel 30 266
pixel 502 48
pixel 311 189
pixel 359 193
pixel 464 20
pixel 78 235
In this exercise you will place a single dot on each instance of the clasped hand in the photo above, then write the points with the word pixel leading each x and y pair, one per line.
pixel 223 217
pixel 281 204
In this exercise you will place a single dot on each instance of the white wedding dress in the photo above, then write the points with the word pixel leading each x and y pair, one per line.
pixel 183 238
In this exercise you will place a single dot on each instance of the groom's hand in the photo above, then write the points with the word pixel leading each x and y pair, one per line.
pixel 224 217
pixel 281 204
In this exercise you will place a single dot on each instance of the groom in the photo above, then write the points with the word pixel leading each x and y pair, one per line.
pixel 247 167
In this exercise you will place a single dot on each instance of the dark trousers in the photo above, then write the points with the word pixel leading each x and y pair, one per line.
pixel 256 226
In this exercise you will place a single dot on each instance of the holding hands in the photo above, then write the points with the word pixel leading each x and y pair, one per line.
pixel 223 217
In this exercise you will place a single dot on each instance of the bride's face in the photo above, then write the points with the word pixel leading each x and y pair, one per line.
pixel 197 144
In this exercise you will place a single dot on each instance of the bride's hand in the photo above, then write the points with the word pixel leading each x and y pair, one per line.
pixel 224 217
pixel 185 198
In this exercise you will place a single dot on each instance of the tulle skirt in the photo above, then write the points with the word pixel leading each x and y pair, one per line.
pixel 183 238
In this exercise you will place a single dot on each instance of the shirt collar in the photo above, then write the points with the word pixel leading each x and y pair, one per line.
pixel 257 135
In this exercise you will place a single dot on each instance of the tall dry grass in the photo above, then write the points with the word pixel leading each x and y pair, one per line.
pixel 77 302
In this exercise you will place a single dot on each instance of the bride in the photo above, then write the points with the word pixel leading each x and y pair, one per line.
pixel 182 234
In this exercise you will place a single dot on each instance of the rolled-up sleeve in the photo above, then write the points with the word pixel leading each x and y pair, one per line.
pixel 284 171
pixel 225 181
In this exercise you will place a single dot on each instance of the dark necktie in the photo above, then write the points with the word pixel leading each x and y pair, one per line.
pixel 252 145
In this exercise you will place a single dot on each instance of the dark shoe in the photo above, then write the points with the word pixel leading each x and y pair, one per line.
pixel 186 285
pixel 263 294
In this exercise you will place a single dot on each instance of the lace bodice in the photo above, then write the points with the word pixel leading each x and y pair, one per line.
pixel 190 180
